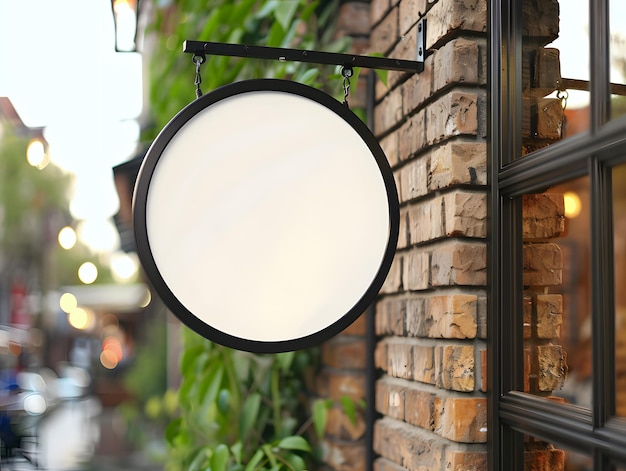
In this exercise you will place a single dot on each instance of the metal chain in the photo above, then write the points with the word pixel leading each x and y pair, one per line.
pixel 346 73
pixel 198 59
pixel 563 95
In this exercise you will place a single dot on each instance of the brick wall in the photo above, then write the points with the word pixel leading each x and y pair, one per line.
pixel 431 316
pixel 430 319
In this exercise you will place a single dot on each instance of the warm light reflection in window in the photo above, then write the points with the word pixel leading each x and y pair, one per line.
pixel 572 204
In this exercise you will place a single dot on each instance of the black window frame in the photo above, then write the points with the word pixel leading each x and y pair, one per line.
pixel 595 432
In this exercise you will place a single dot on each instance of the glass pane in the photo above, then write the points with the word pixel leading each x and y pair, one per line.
pixel 557 300
pixel 619 248
pixel 542 455
pixel 617 22
pixel 555 71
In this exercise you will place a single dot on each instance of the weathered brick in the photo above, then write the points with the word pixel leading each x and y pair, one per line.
pixel 457 62
pixel 388 113
pixel 400 359
pixel 446 17
pixel 540 21
pixel 383 464
pixel 409 13
pixel 344 456
pixel 353 19
pixel 544 460
pixel 527 313
pixel 465 214
pixel 549 315
pixel 543 215
pixel 339 425
pixel 458 163
pixel 552 367
pixel 385 34
pixel 416 268
pixel 393 282
pixel 542 265
pixel 378 10
pixel 454 114
pixel 390 316
pixel 419 407
pixel 481 317
pixel 341 384
pixel 412 136
pixel 425 221
pixel 417 322
pixel 413 180
pixel 344 352
pixel 461 419
pixel 380 355
pixel 358 327
pixel 412 448
pixel 459 263
pixel 483 370
pixel 417 88
pixel 452 316
pixel 549 115
pixel 403 233
pixel 424 363
pixel 465 460
pixel 390 398
pixel 454 367
pixel 389 145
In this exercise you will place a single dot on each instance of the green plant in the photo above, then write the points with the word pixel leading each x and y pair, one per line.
pixel 238 411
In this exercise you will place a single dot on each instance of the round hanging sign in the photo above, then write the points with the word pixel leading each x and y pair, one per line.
pixel 266 216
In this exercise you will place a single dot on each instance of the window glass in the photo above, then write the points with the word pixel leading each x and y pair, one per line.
pixel 555 71
pixel 619 250
pixel 617 22
pixel 557 302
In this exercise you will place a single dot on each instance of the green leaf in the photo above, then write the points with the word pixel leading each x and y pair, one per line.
pixel 172 430
pixel 219 458
pixel 267 449
pixel 295 442
pixel 255 460
pixel 285 12
pixel 236 450
pixel 320 416
pixel 285 359
pixel 296 462
pixel 349 408
pixel 200 460
pixel 249 414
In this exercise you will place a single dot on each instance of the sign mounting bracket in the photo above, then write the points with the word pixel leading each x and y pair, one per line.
pixel 316 57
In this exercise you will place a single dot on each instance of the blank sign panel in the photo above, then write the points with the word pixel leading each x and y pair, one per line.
pixel 266 216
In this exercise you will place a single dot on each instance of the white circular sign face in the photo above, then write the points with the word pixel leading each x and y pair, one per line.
pixel 266 216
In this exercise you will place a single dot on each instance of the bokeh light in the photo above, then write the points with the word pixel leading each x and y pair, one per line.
pixel 87 273
pixel 80 318
pixel 67 237
pixel 68 302
pixel 36 154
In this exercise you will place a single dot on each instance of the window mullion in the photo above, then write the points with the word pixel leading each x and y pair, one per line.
pixel 599 62
pixel 602 285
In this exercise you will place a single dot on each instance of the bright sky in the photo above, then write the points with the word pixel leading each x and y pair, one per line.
pixel 59 68
pixel 573 43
